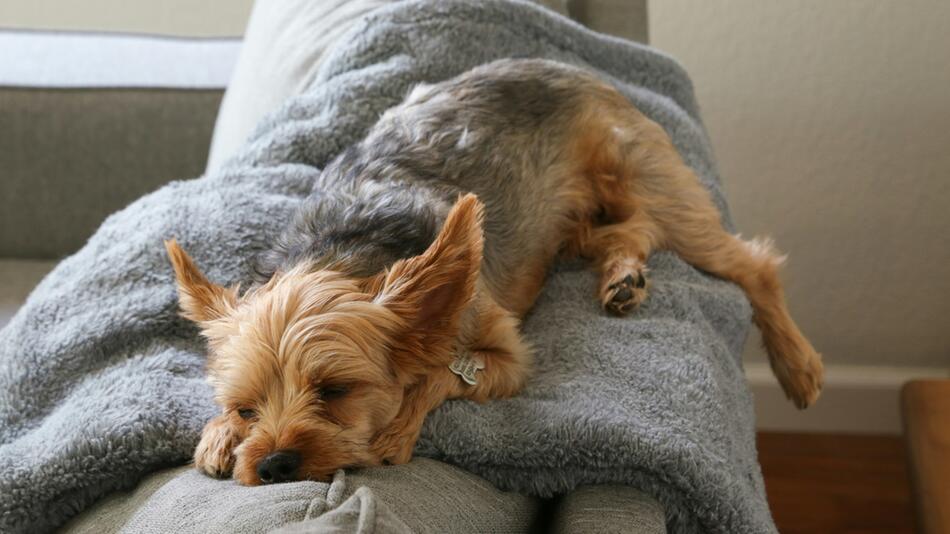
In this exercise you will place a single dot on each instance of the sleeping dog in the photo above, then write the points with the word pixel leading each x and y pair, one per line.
pixel 402 279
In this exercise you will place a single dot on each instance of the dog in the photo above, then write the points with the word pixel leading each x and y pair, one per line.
pixel 402 280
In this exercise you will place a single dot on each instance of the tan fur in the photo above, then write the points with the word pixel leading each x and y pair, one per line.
pixel 389 338
pixel 305 329
pixel 662 204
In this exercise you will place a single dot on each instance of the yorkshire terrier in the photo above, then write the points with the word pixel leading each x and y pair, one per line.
pixel 402 279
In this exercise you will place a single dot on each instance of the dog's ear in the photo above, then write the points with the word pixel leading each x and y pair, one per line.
pixel 430 291
pixel 200 300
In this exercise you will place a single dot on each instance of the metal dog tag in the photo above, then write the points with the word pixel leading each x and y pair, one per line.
pixel 466 365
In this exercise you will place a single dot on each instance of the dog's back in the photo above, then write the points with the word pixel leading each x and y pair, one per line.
pixel 502 131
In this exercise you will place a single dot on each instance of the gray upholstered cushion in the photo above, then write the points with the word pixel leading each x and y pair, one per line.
pixel 70 157
pixel 92 122
pixel 609 509
pixel 422 496
pixel 435 497
pixel 109 515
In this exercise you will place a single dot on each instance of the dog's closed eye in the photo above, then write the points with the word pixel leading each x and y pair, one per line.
pixel 247 413
pixel 332 392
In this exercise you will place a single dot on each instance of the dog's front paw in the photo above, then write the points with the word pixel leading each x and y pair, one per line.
pixel 214 455
pixel 623 289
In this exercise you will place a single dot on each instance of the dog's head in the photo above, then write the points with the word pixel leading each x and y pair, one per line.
pixel 313 367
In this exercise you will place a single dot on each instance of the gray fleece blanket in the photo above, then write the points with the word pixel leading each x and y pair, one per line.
pixel 101 382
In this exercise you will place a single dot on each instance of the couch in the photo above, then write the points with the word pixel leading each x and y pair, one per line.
pixel 83 113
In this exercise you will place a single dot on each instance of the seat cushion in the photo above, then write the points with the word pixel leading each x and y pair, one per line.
pixel 422 496
pixel 609 508
pixel 91 122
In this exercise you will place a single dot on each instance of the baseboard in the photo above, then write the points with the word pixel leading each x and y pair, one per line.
pixel 856 399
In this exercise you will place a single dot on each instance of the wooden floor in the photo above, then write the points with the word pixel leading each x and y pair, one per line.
pixel 821 483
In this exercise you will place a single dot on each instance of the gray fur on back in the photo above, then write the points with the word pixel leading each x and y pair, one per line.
pixel 497 130
pixel 101 382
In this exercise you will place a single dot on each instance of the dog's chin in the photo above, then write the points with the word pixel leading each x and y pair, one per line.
pixel 246 474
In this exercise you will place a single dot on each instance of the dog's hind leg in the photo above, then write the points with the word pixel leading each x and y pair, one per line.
pixel 684 219
pixel 620 234
pixel 620 251
pixel 650 199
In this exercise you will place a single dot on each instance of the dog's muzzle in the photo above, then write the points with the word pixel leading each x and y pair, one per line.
pixel 279 466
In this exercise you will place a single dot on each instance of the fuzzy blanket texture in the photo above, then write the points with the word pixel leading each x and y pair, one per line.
pixel 101 382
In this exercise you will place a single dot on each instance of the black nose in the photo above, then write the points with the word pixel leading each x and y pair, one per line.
pixel 279 466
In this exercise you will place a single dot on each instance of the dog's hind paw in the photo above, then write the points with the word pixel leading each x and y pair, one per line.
pixel 802 376
pixel 622 291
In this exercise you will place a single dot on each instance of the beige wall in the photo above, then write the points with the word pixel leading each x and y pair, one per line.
pixel 200 18
pixel 831 122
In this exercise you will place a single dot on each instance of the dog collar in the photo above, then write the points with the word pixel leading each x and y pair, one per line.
pixel 466 365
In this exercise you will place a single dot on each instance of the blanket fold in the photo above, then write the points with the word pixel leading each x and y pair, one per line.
pixel 101 382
